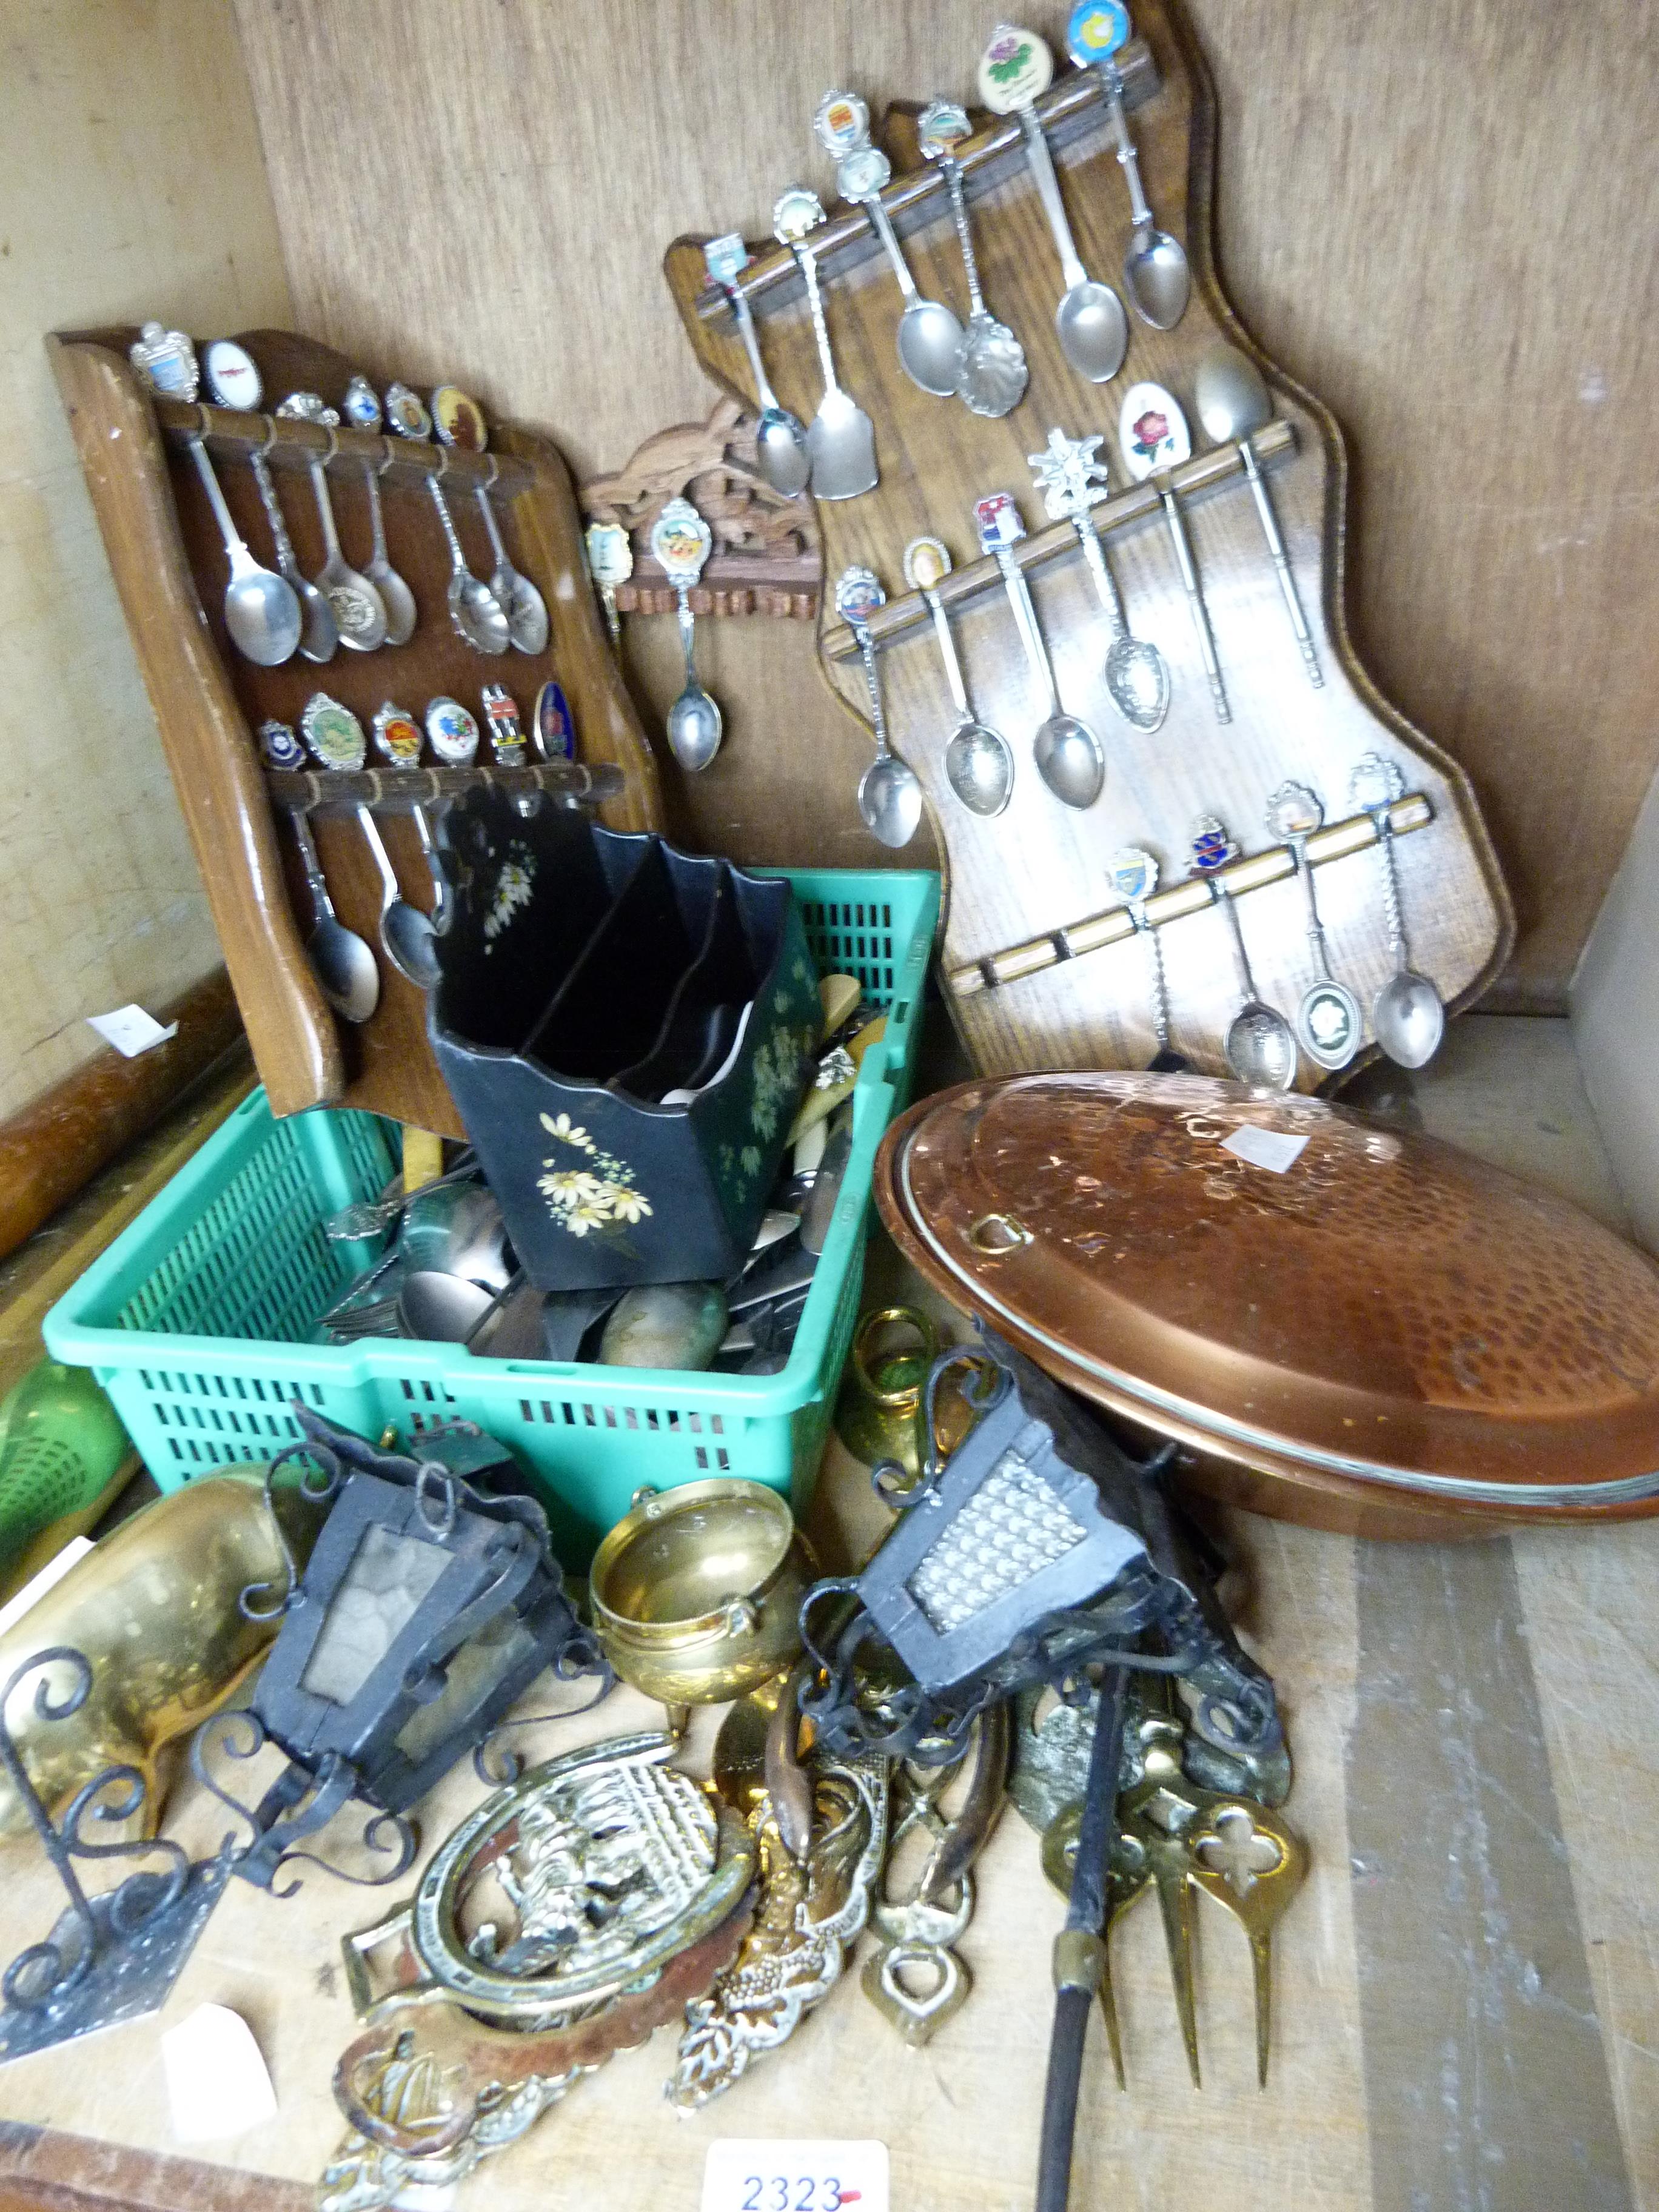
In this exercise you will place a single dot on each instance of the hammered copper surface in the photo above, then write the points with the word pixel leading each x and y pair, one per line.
pixel 1386 1315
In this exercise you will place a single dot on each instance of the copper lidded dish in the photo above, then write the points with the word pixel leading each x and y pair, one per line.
pixel 1380 1333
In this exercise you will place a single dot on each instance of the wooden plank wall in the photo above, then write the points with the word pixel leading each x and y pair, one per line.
pixel 1444 218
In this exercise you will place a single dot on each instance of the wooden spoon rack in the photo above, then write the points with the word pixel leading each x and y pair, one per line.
pixel 1019 883
pixel 169 569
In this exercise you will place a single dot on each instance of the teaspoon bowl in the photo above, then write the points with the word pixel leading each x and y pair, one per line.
pixel 1070 761
pixel 1156 275
pixel 889 800
pixel 1409 1018
pixel 1259 1049
pixel 981 768
pixel 1094 330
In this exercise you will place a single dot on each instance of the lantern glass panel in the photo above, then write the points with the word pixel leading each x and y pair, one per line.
pixel 481 1663
pixel 379 1595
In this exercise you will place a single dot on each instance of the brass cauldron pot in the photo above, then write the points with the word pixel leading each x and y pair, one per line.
pixel 695 1595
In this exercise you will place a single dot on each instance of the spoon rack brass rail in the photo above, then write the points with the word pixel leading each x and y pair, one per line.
pixel 290 442
pixel 1275 443
pixel 1069 110
pixel 1114 923
pixel 399 791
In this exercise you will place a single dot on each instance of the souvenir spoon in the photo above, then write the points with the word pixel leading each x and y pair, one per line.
pixel 1155 272
pixel 335 739
pixel 841 437
pixel 1259 1047
pixel 524 607
pixel 319 634
pixel 1067 752
pixel 1233 402
pixel 359 610
pixel 477 613
pixel 1152 433
pixel 398 737
pixel 1094 332
pixel 361 408
pixel 929 335
pixel 780 437
pixel 1409 1014
pixel 340 960
pixel 889 797
pixel 978 761
pixel 395 595
pixel 1137 675
pixel 262 612
pixel 1133 872
pixel 680 542
pixel 1328 1022
pixel 991 371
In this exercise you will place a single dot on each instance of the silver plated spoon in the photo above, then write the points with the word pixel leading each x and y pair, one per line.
pixel 1233 402
pixel 340 960
pixel 525 609
pixel 358 608
pixel 1153 438
pixel 1137 674
pixel 1409 1013
pixel 929 336
pixel 1067 753
pixel 680 542
pixel 991 369
pixel 1260 1047
pixel 1134 872
pixel 395 595
pixel 1092 327
pixel 780 437
pixel 397 739
pixel 262 612
pixel 1155 272
pixel 319 634
pixel 406 933
pixel 978 761
pixel 889 796
pixel 841 438
pixel 477 615
pixel 1328 1022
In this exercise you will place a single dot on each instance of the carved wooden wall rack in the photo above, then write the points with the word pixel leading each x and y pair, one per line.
pixel 169 569
pixel 1019 883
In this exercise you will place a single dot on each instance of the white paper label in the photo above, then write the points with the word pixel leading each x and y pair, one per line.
pixel 131 1030
pixel 1265 1148
pixel 742 2175
pixel 218 2084
pixel 53 1572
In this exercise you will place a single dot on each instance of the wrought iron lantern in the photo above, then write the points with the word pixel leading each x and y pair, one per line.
pixel 1038 1550
pixel 426 1609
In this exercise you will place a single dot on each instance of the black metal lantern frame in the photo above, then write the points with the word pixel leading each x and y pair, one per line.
pixel 1038 1551
pixel 425 1611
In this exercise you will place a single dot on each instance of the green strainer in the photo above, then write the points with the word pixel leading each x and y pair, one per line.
pixel 61 1445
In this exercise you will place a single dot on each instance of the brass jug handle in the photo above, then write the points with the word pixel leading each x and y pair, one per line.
pixel 908 1396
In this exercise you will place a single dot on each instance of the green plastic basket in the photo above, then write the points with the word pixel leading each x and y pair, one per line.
pixel 196 1319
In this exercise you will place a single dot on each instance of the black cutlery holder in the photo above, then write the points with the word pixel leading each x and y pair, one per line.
pixel 590 977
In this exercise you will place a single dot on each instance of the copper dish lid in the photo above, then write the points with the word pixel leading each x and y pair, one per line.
pixel 1388 1336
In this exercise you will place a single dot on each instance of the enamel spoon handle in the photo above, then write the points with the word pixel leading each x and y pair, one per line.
pixel 1183 553
pixel 1030 633
pixel 1270 531
pixel 688 623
